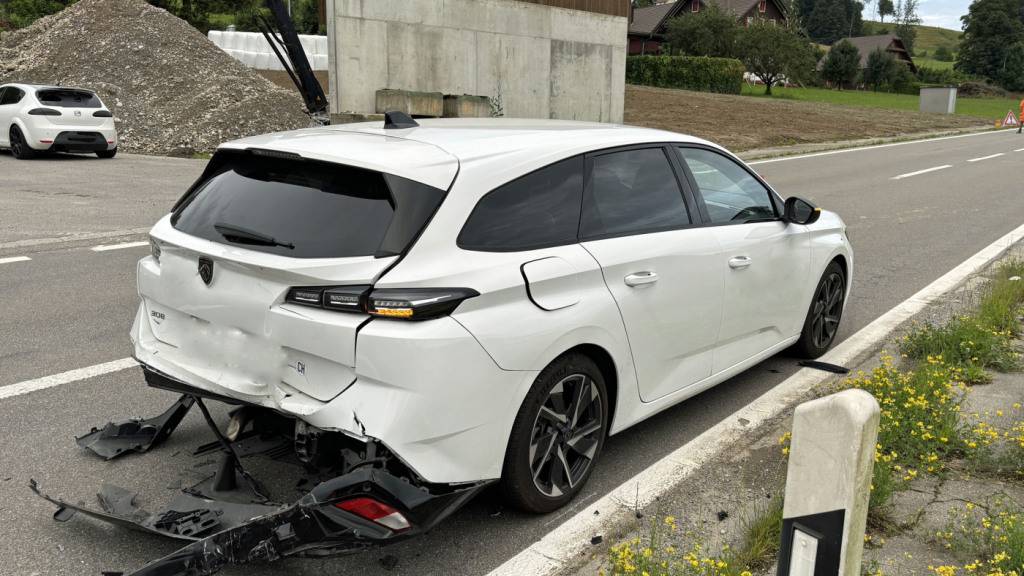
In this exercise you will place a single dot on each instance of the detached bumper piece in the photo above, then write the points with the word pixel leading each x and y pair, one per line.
pixel 137 435
pixel 363 495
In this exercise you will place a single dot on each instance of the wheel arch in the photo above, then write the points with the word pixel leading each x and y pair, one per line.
pixel 606 364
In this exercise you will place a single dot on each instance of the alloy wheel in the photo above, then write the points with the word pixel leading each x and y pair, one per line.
pixel 17 142
pixel 828 308
pixel 566 435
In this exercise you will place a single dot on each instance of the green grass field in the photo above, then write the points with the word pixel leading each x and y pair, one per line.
pixel 928 37
pixel 931 63
pixel 988 108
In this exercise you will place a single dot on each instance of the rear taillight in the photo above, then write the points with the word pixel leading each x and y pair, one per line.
pixel 402 303
pixel 102 114
pixel 154 249
pixel 376 512
pixel 44 112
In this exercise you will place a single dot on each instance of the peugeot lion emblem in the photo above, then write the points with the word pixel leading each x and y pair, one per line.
pixel 205 269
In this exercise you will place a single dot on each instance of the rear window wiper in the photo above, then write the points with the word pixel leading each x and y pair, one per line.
pixel 239 235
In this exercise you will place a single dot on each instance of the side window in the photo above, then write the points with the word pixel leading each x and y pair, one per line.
pixel 730 193
pixel 538 210
pixel 632 192
pixel 2 92
pixel 11 95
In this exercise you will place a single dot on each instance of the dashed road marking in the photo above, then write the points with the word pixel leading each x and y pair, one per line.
pixel 1019 150
pixel 14 259
pixel 105 247
pixel 45 382
pixel 919 172
pixel 989 157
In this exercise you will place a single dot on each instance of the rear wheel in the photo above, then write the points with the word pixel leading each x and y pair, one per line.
pixel 19 147
pixel 107 153
pixel 557 435
pixel 823 317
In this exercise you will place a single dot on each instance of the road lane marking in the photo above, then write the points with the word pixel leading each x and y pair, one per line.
pixel 14 259
pixel 989 157
pixel 104 248
pixel 1019 150
pixel 72 238
pixel 919 172
pixel 11 390
pixel 568 543
pixel 874 147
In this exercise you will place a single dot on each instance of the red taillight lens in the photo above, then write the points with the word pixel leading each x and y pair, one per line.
pixel 376 512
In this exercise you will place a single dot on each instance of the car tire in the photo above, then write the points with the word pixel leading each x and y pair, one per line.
pixel 19 147
pixel 824 313
pixel 107 153
pixel 557 435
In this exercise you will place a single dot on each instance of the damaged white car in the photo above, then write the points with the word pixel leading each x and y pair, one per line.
pixel 418 310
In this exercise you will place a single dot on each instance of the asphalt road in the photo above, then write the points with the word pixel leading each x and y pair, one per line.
pixel 70 307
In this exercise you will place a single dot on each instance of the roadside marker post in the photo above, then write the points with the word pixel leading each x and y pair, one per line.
pixel 828 485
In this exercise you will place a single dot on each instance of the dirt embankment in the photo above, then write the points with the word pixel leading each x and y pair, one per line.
pixel 171 90
pixel 744 122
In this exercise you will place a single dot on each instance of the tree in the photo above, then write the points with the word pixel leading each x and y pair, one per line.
pixel 885 8
pixel 772 53
pixel 943 54
pixel 21 13
pixel 906 22
pixel 991 28
pixel 842 64
pixel 1012 76
pixel 880 70
pixel 710 32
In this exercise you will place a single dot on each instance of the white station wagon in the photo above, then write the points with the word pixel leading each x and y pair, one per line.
pixel 433 307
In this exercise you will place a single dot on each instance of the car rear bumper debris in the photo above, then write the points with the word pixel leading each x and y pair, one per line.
pixel 363 495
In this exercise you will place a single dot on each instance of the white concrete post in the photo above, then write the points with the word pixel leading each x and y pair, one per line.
pixel 828 485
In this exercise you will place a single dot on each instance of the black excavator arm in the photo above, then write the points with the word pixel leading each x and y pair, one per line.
pixel 284 41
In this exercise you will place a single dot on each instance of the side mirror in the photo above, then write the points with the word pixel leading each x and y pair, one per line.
pixel 800 211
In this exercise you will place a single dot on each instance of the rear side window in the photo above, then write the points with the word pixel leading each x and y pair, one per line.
pixel 538 210
pixel 632 192
pixel 10 95
pixel 305 209
pixel 68 98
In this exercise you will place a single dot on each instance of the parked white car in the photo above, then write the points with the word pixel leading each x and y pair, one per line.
pixel 416 311
pixel 36 119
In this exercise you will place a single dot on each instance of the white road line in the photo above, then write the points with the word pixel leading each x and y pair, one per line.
pixel 569 541
pixel 11 390
pixel 104 248
pixel 72 238
pixel 919 172
pixel 14 259
pixel 875 146
pixel 1019 150
pixel 990 156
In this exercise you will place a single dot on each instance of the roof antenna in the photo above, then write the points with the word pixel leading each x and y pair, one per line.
pixel 396 120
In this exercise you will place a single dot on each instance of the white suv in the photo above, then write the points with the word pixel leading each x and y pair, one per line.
pixel 480 299
pixel 36 119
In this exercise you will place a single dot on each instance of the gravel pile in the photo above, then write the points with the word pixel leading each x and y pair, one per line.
pixel 170 89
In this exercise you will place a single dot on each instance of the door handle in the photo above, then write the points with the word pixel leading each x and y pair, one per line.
pixel 641 278
pixel 739 262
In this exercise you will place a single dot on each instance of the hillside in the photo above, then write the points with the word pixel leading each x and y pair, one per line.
pixel 928 37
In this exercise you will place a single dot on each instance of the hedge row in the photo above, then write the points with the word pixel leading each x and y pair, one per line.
pixel 701 73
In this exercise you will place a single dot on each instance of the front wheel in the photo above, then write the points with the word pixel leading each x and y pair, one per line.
pixel 822 321
pixel 557 435
pixel 107 153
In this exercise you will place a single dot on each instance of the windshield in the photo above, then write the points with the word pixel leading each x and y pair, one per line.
pixel 305 209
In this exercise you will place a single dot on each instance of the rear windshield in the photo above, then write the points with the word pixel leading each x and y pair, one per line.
pixel 304 208
pixel 68 98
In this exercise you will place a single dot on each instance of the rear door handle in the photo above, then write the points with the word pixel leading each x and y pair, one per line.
pixel 641 278
pixel 739 262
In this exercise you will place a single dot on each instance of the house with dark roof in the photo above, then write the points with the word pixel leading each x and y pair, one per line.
pixel 888 42
pixel 649 24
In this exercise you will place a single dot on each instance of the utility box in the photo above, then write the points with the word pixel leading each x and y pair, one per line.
pixel 939 100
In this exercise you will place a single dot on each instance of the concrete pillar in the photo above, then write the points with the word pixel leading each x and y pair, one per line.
pixel 828 485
